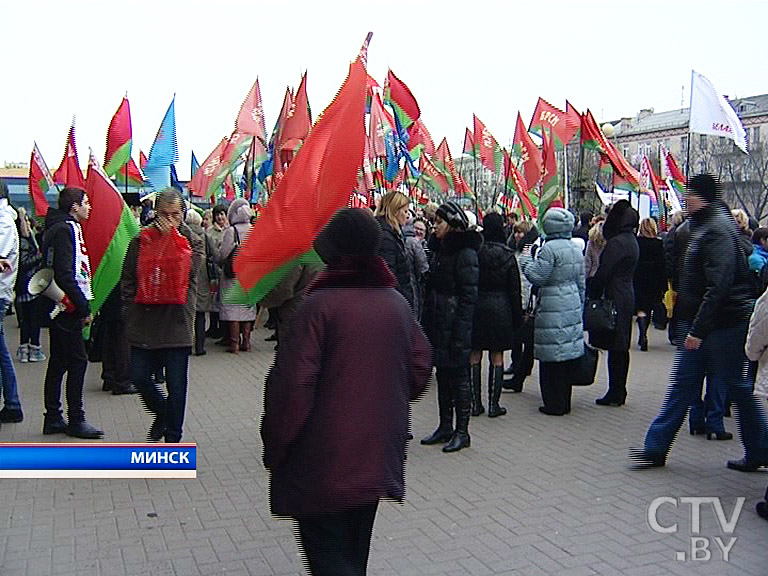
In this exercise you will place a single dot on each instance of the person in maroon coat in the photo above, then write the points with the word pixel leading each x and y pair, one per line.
pixel 336 401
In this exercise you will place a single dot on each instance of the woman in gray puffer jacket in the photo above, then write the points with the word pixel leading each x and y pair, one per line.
pixel 558 272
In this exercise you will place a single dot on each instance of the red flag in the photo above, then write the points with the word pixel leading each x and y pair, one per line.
pixel 432 175
pixel 399 96
pixel 142 160
pixel 418 134
pixel 69 172
pixel 318 183
pixel 469 142
pixel 132 173
pixel 119 139
pixel 250 119
pixel 488 151
pixel 381 123
pixel 277 136
pixel 229 188
pixel 201 181
pixel 515 181
pixel 572 121
pixel 40 182
pixel 298 120
pixel 528 152
pixel 550 116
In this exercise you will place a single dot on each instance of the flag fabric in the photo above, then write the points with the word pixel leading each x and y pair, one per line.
pixel 164 151
pixel 528 153
pixel 380 129
pixel 712 114
pixel 250 119
pixel 298 121
pixel 142 160
pixel 175 180
pixel 276 138
pixel 649 181
pixel 229 188
pixel 195 165
pixel 572 121
pixel 69 173
pixel 40 182
pixel 399 96
pixel 432 176
pixel 132 173
pixel 553 118
pixel 201 184
pixel 443 161
pixel 469 142
pixel 592 137
pixel 488 151
pixel 318 182
pixel 673 176
pixel 418 135
pixel 515 183
pixel 119 139
pixel 550 179
pixel 107 232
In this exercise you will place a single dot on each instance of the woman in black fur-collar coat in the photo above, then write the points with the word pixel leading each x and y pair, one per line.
pixel 448 312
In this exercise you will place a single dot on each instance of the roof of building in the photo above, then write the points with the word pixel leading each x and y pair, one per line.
pixel 649 121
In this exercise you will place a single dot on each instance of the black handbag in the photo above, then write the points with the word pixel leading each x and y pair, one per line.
pixel 525 331
pixel 228 268
pixel 600 315
pixel 584 368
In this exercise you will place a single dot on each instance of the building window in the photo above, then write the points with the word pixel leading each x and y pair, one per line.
pixel 625 151
pixel 684 144
pixel 703 141
pixel 756 135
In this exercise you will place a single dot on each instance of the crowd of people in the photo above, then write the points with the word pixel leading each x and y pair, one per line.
pixel 440 288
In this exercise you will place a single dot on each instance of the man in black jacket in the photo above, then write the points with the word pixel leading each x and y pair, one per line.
pixel 64 251
pixel 714 306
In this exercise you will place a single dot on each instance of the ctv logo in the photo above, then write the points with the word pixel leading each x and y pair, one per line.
pixel 701 547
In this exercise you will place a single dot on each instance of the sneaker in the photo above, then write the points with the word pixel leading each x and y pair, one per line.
pixel 11 416
pixel 22 353
pixel 36 354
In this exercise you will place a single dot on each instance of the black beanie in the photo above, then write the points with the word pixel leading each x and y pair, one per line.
pixel 493 228
pixel 705 186
pixel 350 232
pixel 452 213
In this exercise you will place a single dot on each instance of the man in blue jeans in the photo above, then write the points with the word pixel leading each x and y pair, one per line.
pixel 714 305
pixel 161 333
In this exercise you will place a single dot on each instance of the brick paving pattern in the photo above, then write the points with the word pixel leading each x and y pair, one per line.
pixel 534 495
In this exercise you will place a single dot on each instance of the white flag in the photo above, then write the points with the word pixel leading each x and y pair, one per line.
pixel 711 113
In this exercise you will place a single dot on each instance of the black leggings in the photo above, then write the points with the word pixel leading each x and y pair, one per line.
pixel 29 332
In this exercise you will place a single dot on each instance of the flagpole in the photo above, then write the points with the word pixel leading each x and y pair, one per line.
pixel 688 151
pixel 565 175
pixel 474 171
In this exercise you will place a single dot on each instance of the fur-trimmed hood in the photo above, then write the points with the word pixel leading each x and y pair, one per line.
pixel 352 272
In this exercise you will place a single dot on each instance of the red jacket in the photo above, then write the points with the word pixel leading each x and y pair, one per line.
pixel 336 407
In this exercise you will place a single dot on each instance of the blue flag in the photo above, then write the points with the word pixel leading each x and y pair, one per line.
pixel 175 180
pixel 195 165
pixel 164 152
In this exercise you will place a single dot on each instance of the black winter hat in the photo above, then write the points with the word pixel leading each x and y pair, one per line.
pixel 452 213
pixel 350 232
pixel 705 186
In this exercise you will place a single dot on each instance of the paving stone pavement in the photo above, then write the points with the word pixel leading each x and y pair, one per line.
pixel 533 495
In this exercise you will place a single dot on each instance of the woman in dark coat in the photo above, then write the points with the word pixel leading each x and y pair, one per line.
pixel 448 311
pixel 614 280
pixel 336 401
pixel 497 313
pixel 392 216
pixel 650 278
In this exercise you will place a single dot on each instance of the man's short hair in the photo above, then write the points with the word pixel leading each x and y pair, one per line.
pixel 69 197
pixel 167 197
pixel 759 234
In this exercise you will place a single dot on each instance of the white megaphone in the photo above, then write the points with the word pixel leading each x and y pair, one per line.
pixel 42 283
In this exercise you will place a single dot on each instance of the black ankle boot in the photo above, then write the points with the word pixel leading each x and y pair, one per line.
pixel 477 401
pixel 495 378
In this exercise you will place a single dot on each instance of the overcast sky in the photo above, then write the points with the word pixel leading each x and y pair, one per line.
pixel 78 57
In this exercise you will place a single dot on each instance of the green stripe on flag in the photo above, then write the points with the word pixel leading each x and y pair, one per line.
pixel 119 159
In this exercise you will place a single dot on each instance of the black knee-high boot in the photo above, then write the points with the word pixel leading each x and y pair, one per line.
pixel 477 398
pixel 444 430
pixel 495 379
pixel 618 369
pixel 642 328
pixel 461 398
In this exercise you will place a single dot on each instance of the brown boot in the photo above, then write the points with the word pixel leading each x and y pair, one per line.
pixel 245 333
pixel 234 337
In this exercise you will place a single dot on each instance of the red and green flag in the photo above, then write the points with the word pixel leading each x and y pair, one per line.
pixel 69 173
pixel 488 151
pixel 399 96
pixel 318 182
pixel 551 117
pixel 432 176
pixel 298 122
pixel 672 173
pixel 107 232
pixel 443 161
pixel 250 119
pixel 572 121
pixel 119 139
pixel 420 138
pixel 469 142
pixel 515 185
pixel 40 182
pixel 380 128
pixel 132 173
pixel 201 184
pixel 528 153
pixel 550 179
